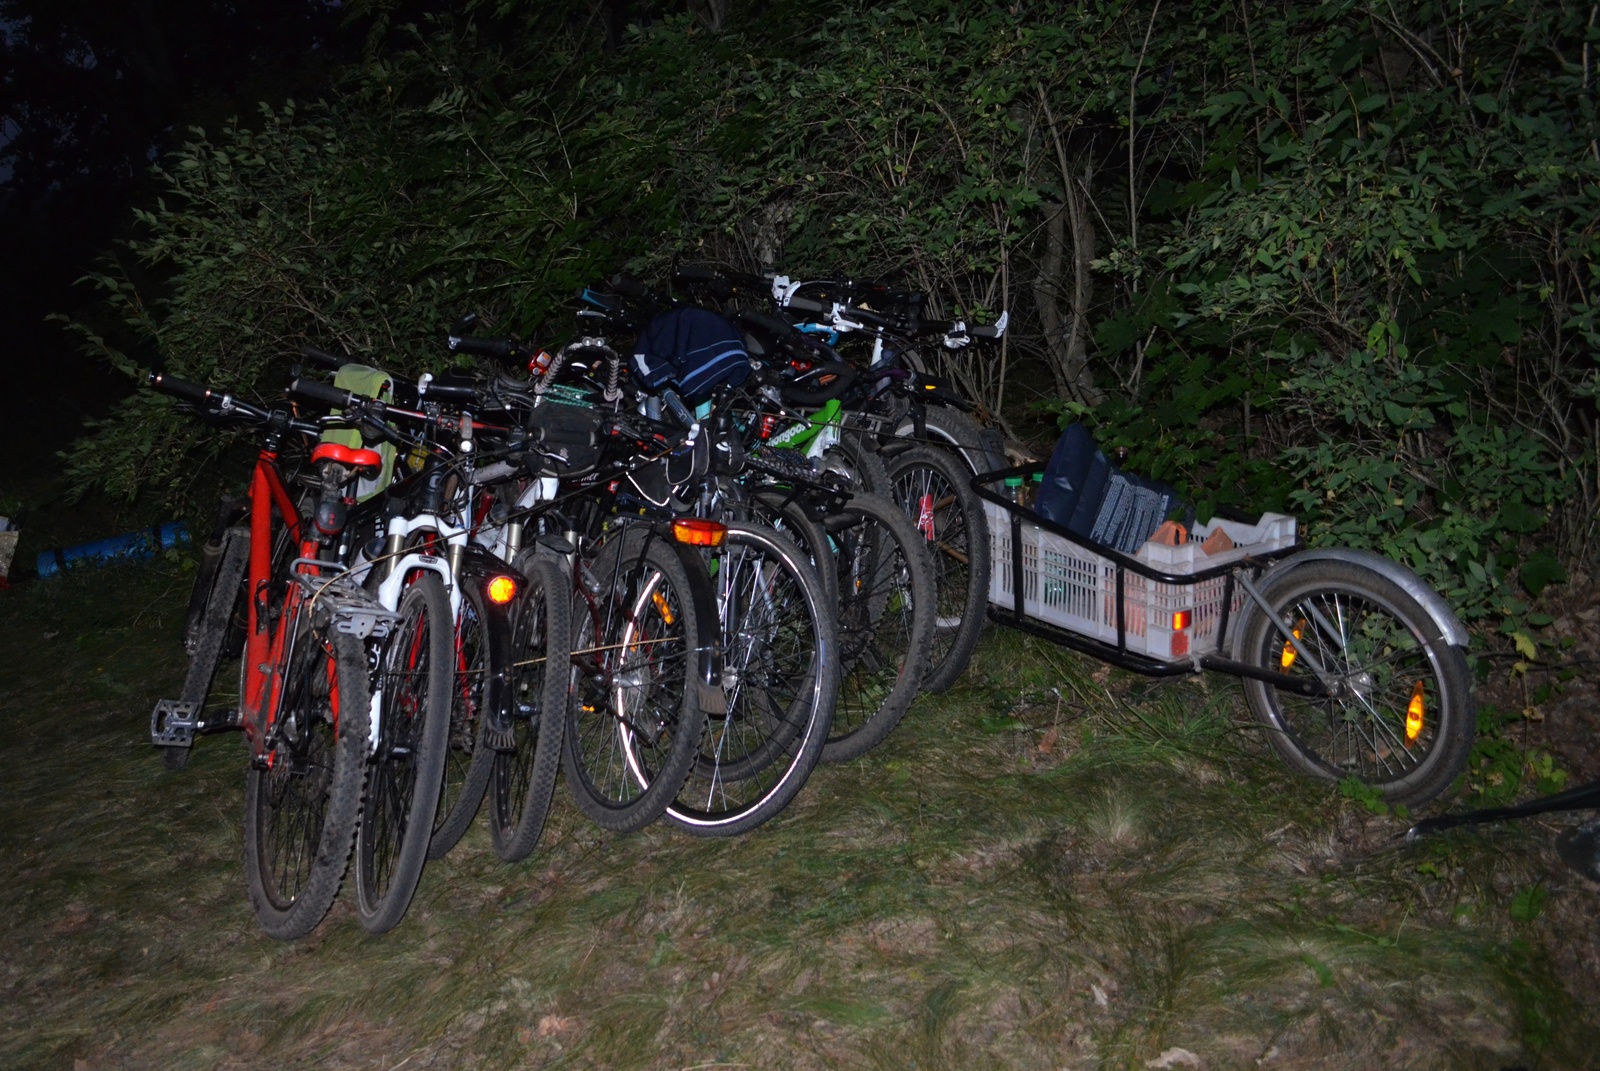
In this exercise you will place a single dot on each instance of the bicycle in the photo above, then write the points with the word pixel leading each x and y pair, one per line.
pixel 304 703
pixel 420 578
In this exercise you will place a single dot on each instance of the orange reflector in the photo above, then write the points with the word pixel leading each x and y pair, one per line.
pixel 1181 619
pixel 663 607
pixel 698 532
pixel 1414 711
pixel 1286 659
pixel 501 589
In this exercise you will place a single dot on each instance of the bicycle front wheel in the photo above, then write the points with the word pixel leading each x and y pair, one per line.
pixel 216 606
pixel 413 679
pixel 524 778
pixel 934 489
pixel 303 796
pixel 1398 715
pixel 886 615
pixel 634 717
pixel 780 680
pixel 467 765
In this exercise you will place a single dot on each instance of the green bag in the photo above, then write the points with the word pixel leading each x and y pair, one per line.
pixel 369 383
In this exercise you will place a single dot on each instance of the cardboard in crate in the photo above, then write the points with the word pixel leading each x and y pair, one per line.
pixel 1070 586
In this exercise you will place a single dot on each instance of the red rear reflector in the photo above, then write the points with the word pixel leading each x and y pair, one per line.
pixel 501 589
pixel 698 532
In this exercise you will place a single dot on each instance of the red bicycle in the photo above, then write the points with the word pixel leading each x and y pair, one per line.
pixel 304 696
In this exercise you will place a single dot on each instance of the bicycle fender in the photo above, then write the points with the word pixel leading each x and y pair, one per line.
pixel 1432 603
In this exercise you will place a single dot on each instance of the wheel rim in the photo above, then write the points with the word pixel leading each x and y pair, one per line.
pixel 297 776
pixel 1380 721
pixel 466 705
pixel 876 612
pixel 931 503
pixel 770 683
pixel 627 706
pixel 513 772
pixel 392 782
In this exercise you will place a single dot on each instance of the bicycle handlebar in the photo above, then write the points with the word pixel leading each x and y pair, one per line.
pixel 501 349
pixel 180 388
pixel 217 403
pixel 330 361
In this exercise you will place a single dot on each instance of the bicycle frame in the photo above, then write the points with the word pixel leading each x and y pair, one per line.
pixel 261 688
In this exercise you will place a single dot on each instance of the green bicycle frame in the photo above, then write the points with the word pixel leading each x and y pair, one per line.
pixel 802 434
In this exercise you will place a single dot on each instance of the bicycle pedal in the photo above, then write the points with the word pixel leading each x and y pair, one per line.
pixel 173 723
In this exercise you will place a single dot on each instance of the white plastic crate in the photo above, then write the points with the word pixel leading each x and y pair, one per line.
pixel 1072 587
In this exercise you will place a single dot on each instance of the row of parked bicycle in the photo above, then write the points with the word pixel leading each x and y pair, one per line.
pixel 691 553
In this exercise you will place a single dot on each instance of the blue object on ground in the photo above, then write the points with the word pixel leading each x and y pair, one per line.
pixel 140 544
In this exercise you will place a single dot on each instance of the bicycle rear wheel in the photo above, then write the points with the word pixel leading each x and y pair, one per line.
pixel 780 679
pixel 934 489
pixel 524 779
pixel 303 796
pixel 886 615
pixel 634 718
pixel 413 678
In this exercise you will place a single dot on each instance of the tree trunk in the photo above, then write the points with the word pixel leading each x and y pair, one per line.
pixel 1069 248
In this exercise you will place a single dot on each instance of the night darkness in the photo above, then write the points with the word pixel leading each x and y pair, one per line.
pixel 91 95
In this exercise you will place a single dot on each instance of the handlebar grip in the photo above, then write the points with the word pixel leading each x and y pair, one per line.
pixel 944 327
pixel 453 392
pixel 844 377
pixel 571 436
pixel 501 348
pixel 630 287
pixel 777 325
pixel 321 392
pixel 676 407
pixel 327 360
pixel 180 388
pixel 697 273
pixel 800 304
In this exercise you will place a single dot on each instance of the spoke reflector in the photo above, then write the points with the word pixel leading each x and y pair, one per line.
pixel 1286 659
pixel 1414 712
pixel 501 589
pixel 662 607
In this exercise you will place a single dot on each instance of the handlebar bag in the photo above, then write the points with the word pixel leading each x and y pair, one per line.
pixel 569 435
pixel 369 383
pixel 695 350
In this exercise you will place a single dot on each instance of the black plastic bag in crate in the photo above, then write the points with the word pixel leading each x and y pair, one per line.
pixel 1090 497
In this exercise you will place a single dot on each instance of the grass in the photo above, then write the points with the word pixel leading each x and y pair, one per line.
pixel 1053 865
